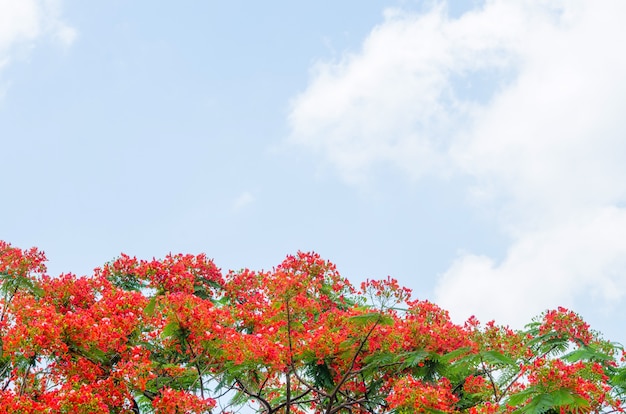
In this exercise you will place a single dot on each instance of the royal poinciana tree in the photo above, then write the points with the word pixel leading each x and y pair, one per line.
pixel 178 336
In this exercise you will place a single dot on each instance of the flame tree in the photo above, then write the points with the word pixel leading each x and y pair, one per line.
pixel 178 336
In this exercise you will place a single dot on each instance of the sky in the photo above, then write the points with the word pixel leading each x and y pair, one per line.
pixel 475 151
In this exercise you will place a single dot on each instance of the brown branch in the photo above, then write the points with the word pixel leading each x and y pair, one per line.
pixel 290 367
pixel 263 401
pixel 491 380
pixel 195 361
pixel 347 404
pixel 349 372
pixel 225 392
pixel 31 363
pixel 288 392
pixel 294 400
pixel 514 380
pixel 309 386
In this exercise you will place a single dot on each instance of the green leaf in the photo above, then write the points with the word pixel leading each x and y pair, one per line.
pixel 144 404
pixel 213 284
pixel 520 397
pixel 495 357
pixel 579 402
pixel 11 282
pixel 548 337
pixel 586 353
pixel 457 353
pixel 322 377
pixel 566 397
pixel 220 302
pixel 618 379
pixel 200 291
pixel 372 317
pixel 431 370
pixel 533 327
pixel 126 281
pixel 545 401
pixel 37 290
pixel 561 397
pixel 5 367
pixel 412 359
pixel 149 309
pixel 170 329
pixel 540 404
pixel 96 354
pixel 380 358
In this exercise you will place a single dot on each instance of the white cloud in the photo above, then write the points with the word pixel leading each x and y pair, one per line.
pixel 585 257
pixel 393 101
pixel 244 199
pixel 19 20
pixel 543 137
pixel 54 24
pixel 23 22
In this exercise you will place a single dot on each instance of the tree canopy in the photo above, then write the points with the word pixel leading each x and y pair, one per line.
pixel 177 335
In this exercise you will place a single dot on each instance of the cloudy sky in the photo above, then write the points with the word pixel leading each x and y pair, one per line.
pixel 476 154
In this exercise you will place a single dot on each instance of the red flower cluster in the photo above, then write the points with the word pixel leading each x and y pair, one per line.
pixel 416 396
pixel 566 324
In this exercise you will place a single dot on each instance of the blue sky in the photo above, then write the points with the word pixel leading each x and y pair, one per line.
pixel 477 153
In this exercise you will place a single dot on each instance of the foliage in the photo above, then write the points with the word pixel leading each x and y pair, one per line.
pixel 178 336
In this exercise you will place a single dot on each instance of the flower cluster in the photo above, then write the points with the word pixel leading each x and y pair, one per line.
pixel 416 396
pixel 566 324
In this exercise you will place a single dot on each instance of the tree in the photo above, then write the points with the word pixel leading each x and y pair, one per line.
pixel 177 336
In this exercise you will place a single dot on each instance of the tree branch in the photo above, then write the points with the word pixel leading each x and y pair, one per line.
pixel 349 372
pixel 263 401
